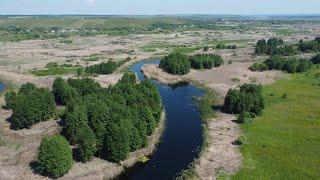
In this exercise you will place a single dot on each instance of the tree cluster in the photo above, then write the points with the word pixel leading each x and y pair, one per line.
pixel 310 46
pixel 205 61
pixel 291 65
pixel 176 63
pixel 31 105
pixel 110 122
pixel 247 99
pixel 274 46
pixel 102 68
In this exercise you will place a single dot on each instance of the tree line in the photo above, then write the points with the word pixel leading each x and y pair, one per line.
pixel 102 68
pixel 290 65
pixel 276 46
pixel 103 122
pixel 178 63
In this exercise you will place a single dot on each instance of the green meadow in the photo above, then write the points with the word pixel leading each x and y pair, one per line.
pixel 284 143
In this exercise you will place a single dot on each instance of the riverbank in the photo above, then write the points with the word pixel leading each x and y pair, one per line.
pixel 220 154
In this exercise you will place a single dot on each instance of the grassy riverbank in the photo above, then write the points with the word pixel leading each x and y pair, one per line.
pixel 284 142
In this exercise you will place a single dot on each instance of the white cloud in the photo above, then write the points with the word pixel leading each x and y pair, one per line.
pixel 90 2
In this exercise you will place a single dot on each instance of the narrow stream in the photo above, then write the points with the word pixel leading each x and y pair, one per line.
pixel 182 138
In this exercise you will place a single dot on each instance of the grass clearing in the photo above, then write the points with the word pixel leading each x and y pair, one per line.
pixel 284 142
pixel 55 71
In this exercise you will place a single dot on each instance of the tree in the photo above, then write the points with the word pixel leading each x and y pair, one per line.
pixel 176 63
pixel 10 98
pixel 75 120
pixel 117 139
pixel 54 156
pixel 102 68
pixel 205 61
pixel 86 143
pixel 247 99
pixel 316 59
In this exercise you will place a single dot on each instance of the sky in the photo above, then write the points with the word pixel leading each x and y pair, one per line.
pixel 157 7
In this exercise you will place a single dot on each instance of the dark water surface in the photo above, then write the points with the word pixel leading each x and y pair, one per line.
pixel 182 138
pixel 1 86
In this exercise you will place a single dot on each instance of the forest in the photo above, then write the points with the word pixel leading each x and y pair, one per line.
pixel 178 63
pixel 103 122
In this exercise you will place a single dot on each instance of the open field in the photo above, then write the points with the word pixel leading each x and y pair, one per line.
pixel 284 142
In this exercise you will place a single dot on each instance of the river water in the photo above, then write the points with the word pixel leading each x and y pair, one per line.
pixel 182 138
pixel 1 86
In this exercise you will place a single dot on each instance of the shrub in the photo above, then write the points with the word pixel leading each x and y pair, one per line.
pixel 205 61
pixel 259 67
pixel 176 63
pixel 54 156
pixel 52 64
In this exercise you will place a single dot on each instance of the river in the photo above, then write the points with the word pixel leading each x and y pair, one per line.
pixel 182 138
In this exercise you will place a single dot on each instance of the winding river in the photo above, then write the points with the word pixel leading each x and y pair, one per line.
pixel 182 138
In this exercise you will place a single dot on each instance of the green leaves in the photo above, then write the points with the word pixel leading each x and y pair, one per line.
pixel 176 63
pixel 30 106
pixel 54 156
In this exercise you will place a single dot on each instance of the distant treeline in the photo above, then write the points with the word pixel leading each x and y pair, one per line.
pixel 276 46
pixel 178 63
pixel 104 122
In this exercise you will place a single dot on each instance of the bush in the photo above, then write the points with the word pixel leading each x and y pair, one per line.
pixel 54 156
pixel 176 63
pixel 259 67
pixel 31 106
pixel 247 99
pixel 52 65
pixel 205 61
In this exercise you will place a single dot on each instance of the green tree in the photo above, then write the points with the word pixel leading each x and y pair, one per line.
pixel 176 63
pixel 86 143
pixel 54 156
pixel 10 98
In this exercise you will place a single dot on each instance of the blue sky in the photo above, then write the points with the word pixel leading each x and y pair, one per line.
pixel 149 7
